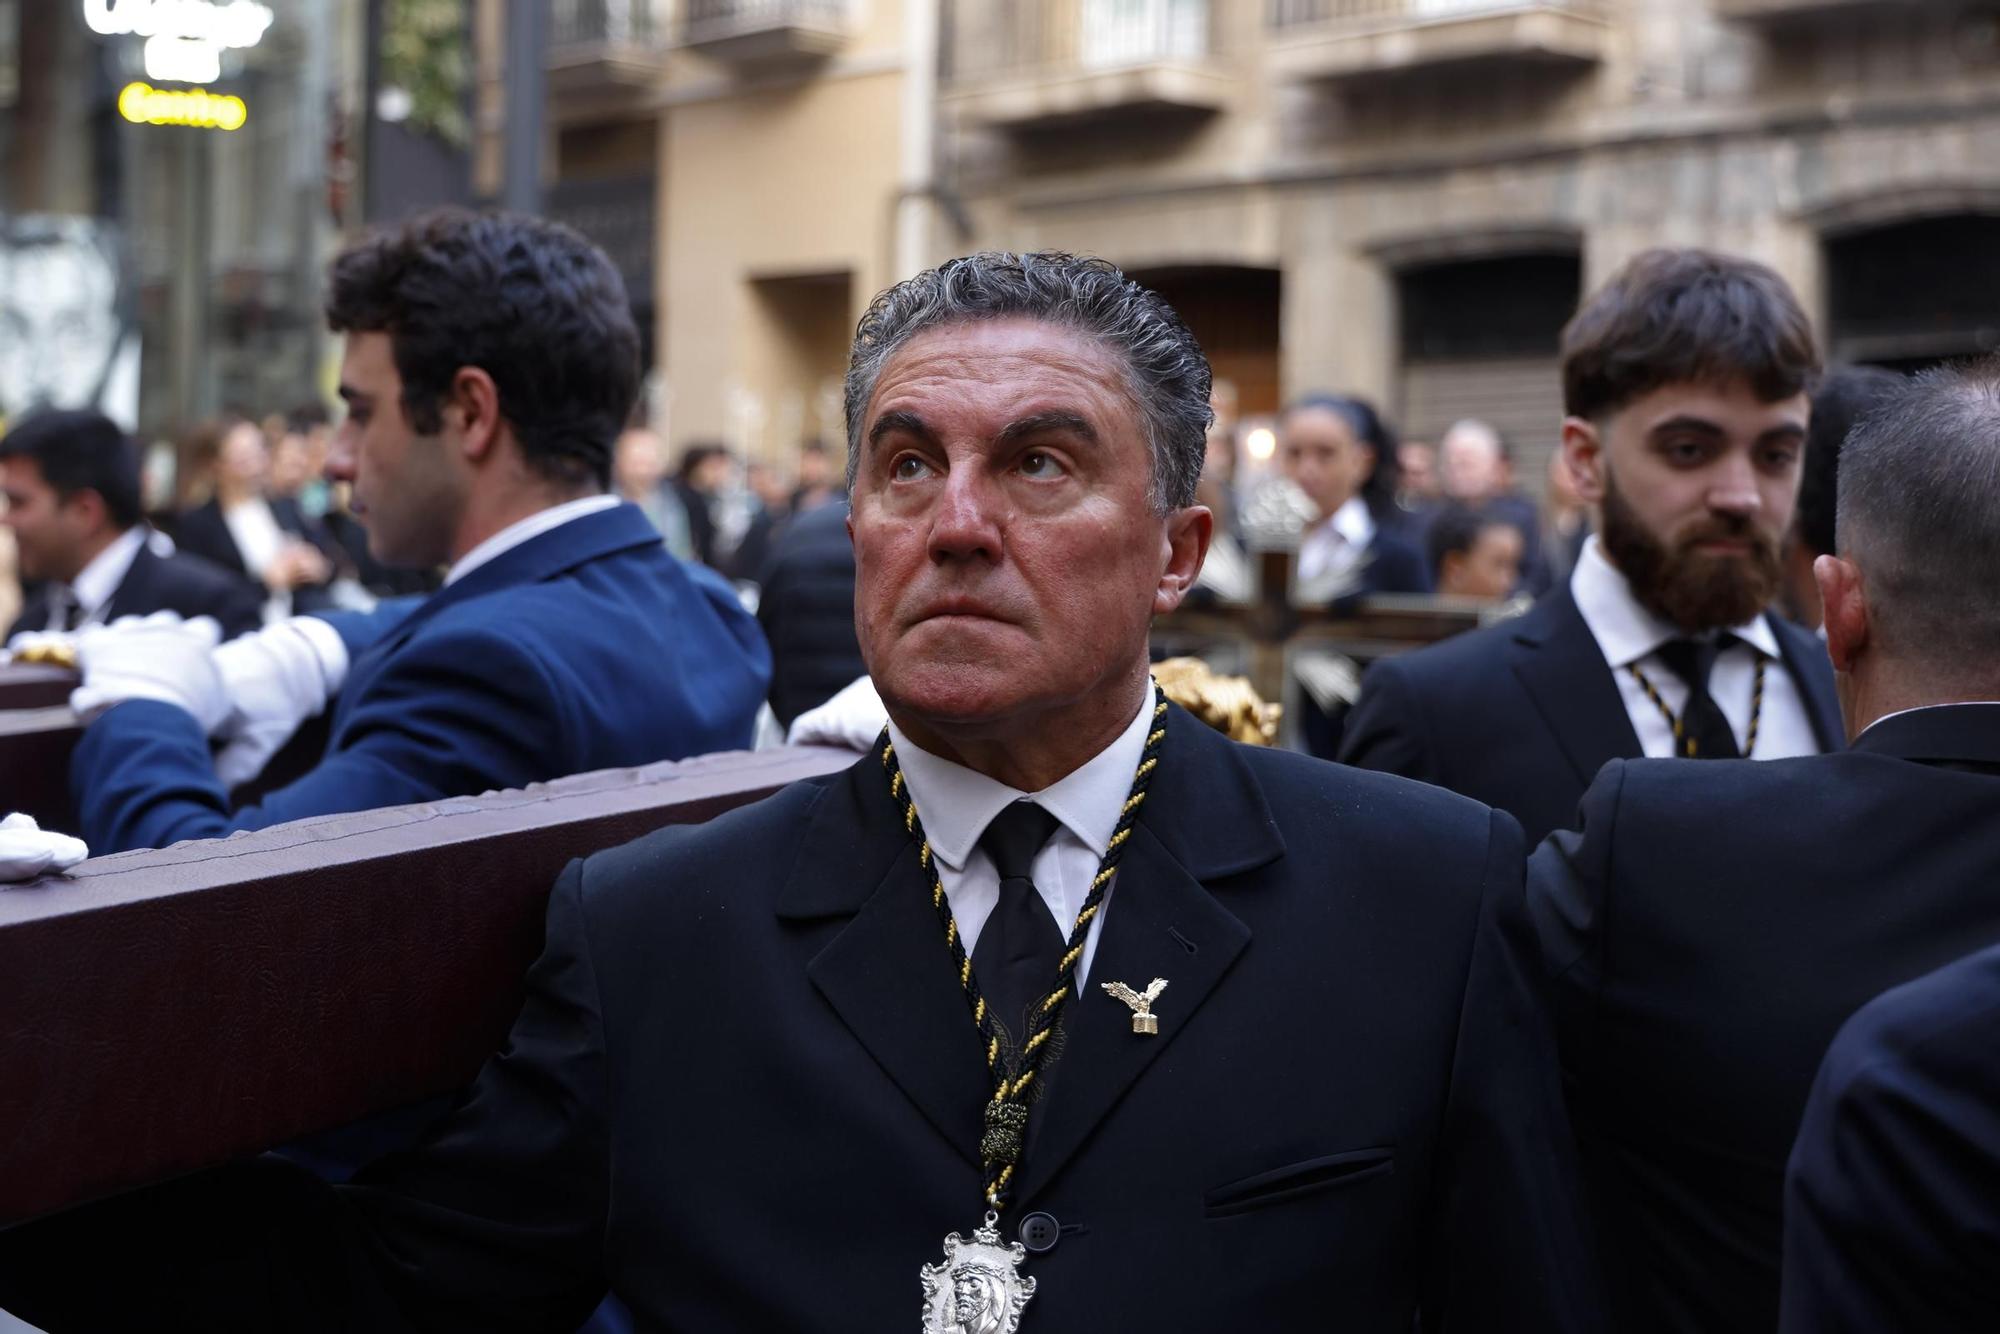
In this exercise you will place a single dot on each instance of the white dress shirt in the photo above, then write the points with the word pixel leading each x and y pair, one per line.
pixel 514 534
pixel 956 804
pixel 1335 543
pixel 96 582
pixel 1627 633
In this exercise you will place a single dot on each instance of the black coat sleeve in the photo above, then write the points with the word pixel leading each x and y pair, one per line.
pixel 1892 1197
pixel 493 1222
pixel 1385 729
pixel 1513 1247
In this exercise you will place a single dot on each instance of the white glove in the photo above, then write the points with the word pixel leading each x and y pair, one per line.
pixel 157 657
pixel 854 718
pixel 274 679
pixel 27 851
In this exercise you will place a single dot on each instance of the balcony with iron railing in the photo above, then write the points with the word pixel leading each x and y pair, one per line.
pixel 1028 64
pixel 599 45
pixel 763 31
pixel 1345 39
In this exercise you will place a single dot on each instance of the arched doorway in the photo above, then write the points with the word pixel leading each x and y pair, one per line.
pixel 1911 294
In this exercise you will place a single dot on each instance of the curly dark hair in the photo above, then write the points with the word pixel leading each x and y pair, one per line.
pixel 531 303
pixel 1685 316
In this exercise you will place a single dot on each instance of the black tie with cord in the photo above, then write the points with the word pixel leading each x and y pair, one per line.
pixel 1704 733
pixel 1020 945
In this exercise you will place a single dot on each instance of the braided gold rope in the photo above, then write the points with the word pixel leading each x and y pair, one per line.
pixel 1012 1086
pixel 1684 746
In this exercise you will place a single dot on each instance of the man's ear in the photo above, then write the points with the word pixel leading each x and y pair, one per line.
pixel 1583 455
pixel 1844 603
pixel 87 508
pixel 473 405
pixel 1184 545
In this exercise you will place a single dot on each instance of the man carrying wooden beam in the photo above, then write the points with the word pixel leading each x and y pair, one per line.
pixel 1056 996
pixel 490 364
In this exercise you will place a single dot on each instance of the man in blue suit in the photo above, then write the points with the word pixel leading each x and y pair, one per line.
pixel 1685 382
pixel 489 364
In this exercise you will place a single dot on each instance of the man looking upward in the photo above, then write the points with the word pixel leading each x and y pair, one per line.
pixel 1685 382
pixel 770 1069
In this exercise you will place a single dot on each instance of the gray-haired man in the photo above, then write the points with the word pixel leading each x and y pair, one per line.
pixel 790 1069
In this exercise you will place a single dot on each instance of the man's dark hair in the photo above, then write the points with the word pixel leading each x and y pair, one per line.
pixel 1843 398
pixel 1919 513
pixel 1456 529
pixel 1168 374
pixel 81 451
pixel 1681 317
pixel 531 303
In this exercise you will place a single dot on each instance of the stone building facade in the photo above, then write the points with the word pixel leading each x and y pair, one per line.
pixel 1401 198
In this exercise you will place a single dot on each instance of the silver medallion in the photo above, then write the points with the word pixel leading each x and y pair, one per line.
pixel 979 1288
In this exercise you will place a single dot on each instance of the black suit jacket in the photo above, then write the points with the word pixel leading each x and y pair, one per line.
pixel 1521 715
pixel 180 583
pixel 1710 928
pixel 806 606
pixel 746 1093
pixel 1892 1203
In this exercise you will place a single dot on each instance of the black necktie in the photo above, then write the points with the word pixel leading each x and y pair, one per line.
pixel 65 612
pixel 1020 945
pixel 1705 733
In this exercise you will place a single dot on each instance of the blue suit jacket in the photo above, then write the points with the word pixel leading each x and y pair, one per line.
pixel 587 647
pixel 1892 1200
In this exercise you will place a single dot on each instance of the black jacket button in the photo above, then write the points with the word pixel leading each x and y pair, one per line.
pixel 1040 1232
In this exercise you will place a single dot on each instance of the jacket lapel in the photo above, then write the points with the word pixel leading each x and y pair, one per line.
pixel 135 591
pixel 1805 658
pixel 1557 661
pixel 887 974
pixel 1162 922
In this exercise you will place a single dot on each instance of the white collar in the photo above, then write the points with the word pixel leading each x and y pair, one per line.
pixel 956 803
pixel 1627 632
pixel 1352 523
pixel 96 582
pixel 521 530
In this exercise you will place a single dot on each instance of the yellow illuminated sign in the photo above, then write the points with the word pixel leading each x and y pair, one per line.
pixel 143 104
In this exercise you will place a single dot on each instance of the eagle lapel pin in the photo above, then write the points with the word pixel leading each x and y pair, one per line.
pixel 1143 1020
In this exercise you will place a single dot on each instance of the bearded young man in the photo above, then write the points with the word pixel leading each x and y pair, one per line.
pixel 1685 381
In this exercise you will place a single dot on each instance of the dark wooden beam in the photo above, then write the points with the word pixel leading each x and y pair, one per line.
pixel 170 1009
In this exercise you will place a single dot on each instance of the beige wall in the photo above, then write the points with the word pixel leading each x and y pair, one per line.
pixel 792 182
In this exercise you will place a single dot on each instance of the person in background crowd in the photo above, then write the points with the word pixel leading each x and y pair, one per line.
pixel 1685 381
pixel 818 482
pixel 245 528
pixel 11 592
pixel 1473 554
pixel 1476 470
pixel 1846 395
pixel 1417 493
pixel 1565 524
pixel 308 433
pixel 805 603
pixel 1327 445
pixel 1712 925
pixel 639 472
pixel 71 480
pixel 480 425
pixel 769 495
pixel 704 474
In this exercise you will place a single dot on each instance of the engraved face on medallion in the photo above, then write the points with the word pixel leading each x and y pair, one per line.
pixel 978 1288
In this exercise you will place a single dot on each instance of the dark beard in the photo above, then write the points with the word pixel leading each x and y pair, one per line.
pixel 1689 590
